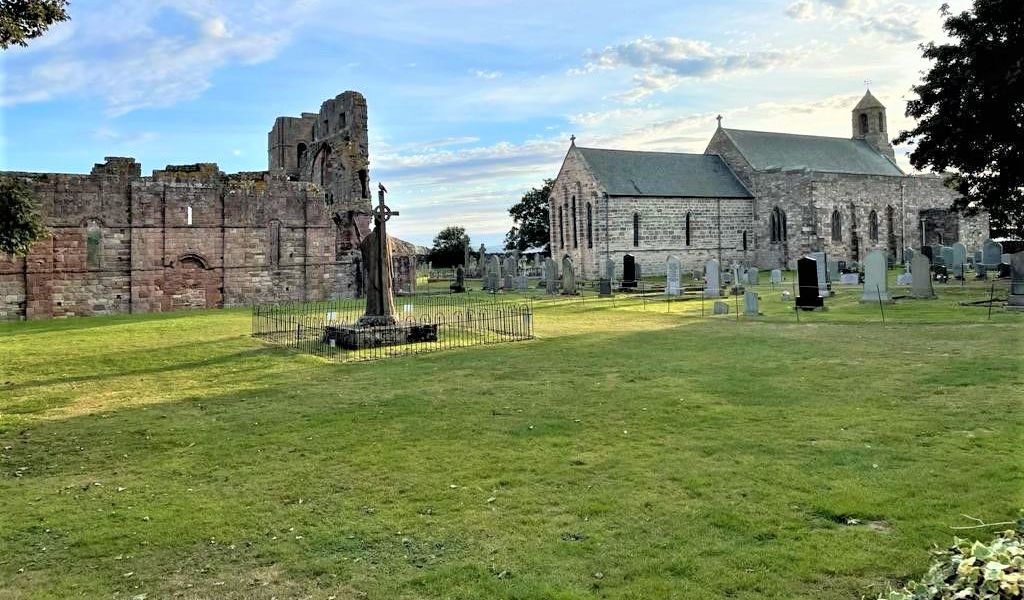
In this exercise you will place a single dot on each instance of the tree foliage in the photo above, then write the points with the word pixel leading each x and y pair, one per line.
pixel 20 223
pixel 970 111
pixel 23 20
pixel 448 249
pixel 531 220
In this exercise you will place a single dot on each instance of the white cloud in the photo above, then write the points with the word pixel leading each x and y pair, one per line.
pixel 894 23
pixel 135 65
pixel 481 74
pixel 802 10
pixel 665 62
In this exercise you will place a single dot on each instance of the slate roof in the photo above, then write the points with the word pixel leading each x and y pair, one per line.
pixel 868 101
pixel 666 174
pixel 765 150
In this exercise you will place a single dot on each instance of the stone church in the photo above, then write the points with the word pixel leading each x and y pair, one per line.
pixel 190 236
pixel 760 198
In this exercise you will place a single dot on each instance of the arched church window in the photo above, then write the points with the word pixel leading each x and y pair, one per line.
pixel 777 224
pixel 561 228
pixel 575 228
pixel 93 245
pixel 837 226
pixel 873 226
pixel 744 241
pixel 688 230
pixel 300 154
pixel 636 230
pixel 590 226
pixel 785 227
pixel 863 123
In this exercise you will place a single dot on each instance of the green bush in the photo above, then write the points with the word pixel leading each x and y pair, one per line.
pixel 973 571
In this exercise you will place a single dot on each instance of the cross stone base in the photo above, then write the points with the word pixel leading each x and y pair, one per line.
pixel 357 338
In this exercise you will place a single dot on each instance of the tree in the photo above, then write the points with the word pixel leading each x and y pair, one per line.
pixel 531 220
pixel 448 247
pixel 970 111
pixel 20 223
pixel 23 20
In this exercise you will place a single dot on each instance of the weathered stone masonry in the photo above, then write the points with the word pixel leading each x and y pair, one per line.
pixel 192 237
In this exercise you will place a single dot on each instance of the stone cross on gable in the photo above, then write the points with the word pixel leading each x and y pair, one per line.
pixel 867 83
pixel 719 119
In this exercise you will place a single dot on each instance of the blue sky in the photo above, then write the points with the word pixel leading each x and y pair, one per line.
pixel 471 102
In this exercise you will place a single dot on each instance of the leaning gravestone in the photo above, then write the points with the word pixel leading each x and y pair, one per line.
pixel 753 276
pixel 720 308
pixel 750 304
pixel 991 253
pixel 921 286
pixel 712 285
pixel 568 277
pixel 808 284
pixel 629 275
pixel 1016 299
pixel 551 276
pixel 673 272
pixel 776 276
pixel 876 286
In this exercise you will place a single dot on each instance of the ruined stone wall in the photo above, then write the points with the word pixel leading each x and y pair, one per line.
pixel 253 237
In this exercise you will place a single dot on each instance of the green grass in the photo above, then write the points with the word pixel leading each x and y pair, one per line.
pixel 627 452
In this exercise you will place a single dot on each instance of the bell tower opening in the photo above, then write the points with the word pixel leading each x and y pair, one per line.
pixel 869 125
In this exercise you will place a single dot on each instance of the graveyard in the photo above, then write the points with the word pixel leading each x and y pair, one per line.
pixel 638 446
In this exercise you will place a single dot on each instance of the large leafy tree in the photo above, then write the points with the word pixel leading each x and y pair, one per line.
pixel 448 249
pixel 20 223
pixel 23 20
pixel 531 220
pixel 970 111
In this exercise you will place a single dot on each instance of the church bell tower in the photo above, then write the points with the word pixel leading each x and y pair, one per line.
pixel 869 124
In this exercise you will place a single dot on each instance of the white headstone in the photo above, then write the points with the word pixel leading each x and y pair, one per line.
pixel 673 271
pixel 921 286
pixel 712 284
pixel 876 286
pixel 750 304
pixel 776 276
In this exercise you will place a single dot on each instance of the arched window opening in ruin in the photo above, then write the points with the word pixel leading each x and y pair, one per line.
pixel 590 226
pixel 873 226
pixel 188 215
pixel 688 230
pixel 777 225
pixel 93 246
pixel 300 155
pixel 785 227
pixel 863 123
pixel 575 240
pixel 837 226
pixel 341 120
pixel 744 241
pixel 636 230
pixel 275 243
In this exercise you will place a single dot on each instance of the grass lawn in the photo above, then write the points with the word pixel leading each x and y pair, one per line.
pixel 629 451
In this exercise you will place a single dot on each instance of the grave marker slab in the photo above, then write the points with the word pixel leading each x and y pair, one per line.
pixel 551 276
pixel 568 277
pixel 673 272
pixel 720 308
pixel 876 283
pixel 809 284
pixel 921 286
pixel 712 284
pixel 776 277
pixel 751 308
pixel 991 253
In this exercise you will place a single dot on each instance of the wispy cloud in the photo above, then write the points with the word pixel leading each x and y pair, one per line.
pixel 137 64
pixel 890 22
pixel 481 74
pixel 664 63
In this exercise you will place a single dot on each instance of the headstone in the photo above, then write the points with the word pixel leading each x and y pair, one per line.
pixel 607 282
pixel 1006 259
pixel 849 279
pixel 551 276
pixel 948 258
pixel 673 272
pixel 808 277
pixel 482 261
pixel 753 276
pixel 978 257
pixel 459 285
pixel 833 270
pixel 824 285
pixel 629 274
pixel 720 308
pixel 521 283
pixel 876 283
pixel 904 279
pixel 991 253
pixel 908 255
pixel 726 278
pixel 750 304
pixel 493 274
pixel 568 277
pixel 712 284
pixel 937 257
pixel 980 271
pixel 510 270
pixel 1015 301
pixel 776 276
pixel 921 286
pixel 959 259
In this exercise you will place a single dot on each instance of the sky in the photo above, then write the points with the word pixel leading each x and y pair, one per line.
pixel 471 102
